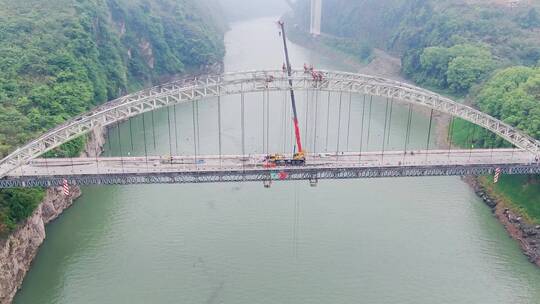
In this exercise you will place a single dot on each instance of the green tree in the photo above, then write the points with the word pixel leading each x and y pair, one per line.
pixel 464 72
pixel 456 68
pixel 512 96
pixel 16 205
pixel 531 19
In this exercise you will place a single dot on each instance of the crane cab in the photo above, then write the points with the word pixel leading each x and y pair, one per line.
pixel 298 159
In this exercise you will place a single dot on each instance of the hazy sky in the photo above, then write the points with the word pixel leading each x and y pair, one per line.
pixel 245 9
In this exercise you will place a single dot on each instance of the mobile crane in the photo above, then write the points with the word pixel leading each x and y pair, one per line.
pixel 299 158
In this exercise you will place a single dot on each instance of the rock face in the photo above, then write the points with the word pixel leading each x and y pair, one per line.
pixel 526 234
pixel 20 248
pixel 95 143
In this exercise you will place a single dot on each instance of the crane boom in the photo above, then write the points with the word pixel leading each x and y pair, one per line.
pixel 293 100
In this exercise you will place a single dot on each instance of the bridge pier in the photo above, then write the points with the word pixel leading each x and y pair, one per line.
pixel 316 17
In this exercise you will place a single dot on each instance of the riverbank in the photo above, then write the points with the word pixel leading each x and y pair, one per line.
pixel 526 232
pixel 20 248
pixel 380 63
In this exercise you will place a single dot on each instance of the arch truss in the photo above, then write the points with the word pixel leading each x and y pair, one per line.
pixel 188 90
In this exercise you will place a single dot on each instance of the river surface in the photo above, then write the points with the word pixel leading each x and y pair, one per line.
pixel 409 240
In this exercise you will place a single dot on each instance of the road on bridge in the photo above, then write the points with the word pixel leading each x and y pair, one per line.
pixel 214 163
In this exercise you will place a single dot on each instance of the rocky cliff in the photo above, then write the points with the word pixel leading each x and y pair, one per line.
pixel 21 247
pixel 19 250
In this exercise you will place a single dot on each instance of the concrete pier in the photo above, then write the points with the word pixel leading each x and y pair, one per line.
pixel 316 17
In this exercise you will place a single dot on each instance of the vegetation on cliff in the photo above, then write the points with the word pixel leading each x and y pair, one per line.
pixel 513 95
pixel 17 205
pixel 510 95
pixel 456 68
pixel 60 57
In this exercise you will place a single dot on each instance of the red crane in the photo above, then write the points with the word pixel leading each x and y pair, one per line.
pixel 293 99
pixel 298 158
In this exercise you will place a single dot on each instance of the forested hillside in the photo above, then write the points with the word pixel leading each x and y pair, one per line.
pixel 61 57
pixel 485 50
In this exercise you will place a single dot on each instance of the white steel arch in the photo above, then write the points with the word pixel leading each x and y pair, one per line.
pixel 187 90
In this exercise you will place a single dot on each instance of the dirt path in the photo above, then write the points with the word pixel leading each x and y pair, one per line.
pixel 383 65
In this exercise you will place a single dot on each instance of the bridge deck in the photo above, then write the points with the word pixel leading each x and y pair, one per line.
pixel 186 169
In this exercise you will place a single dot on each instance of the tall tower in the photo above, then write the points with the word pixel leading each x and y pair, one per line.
pixel 316 17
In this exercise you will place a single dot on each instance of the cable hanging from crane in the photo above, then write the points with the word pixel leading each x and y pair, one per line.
pixel 362 128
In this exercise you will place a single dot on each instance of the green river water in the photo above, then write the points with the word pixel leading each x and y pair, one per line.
pixel 409 240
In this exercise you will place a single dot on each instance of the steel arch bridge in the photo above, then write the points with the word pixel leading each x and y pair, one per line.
pixel 194 89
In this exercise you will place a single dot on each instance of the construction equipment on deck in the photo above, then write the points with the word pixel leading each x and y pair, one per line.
pixel 298 159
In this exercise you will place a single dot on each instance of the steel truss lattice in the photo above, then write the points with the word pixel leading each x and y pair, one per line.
pixel 262 175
